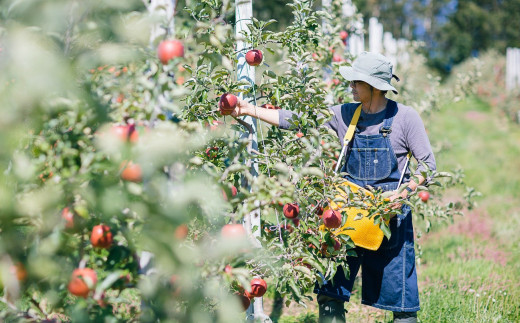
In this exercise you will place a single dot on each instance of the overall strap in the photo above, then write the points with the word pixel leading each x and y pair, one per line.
pixel 386 128
pixel 348 136
pixel 352 127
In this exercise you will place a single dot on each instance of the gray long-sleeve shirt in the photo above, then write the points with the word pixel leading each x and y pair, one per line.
pixel 408 132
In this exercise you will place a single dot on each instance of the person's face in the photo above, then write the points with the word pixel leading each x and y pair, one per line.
pixel 360 91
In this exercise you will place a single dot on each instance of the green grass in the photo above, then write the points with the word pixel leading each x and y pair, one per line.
pixel 459 288
pixel 486 148
pixel 461 281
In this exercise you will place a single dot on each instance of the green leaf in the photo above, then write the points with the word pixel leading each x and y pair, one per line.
pixel 386 230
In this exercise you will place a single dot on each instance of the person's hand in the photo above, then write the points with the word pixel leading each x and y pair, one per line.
pixel 398 196
pixel 243 108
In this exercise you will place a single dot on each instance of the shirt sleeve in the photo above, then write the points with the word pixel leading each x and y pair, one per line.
pixel 419 143
pixel 283 118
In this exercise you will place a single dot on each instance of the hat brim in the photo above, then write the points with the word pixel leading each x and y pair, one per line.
pixel 350 74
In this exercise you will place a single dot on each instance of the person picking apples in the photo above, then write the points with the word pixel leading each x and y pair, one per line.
pixel 376 156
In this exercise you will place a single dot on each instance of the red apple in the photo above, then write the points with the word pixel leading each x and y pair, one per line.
pixel 343 35
pixel 291 210
pixel 270 106
pixel 254 57
pixel 228 269
pixel 319 210
pixel 83 280
pixel 424 196
pixel 233 231
pixel 19 271
pixel 169 49
pixel 296 222
pixel 299 134
pixel 131 172
pixel 337 58
pixel 233 192
pixel 212 152
pixel 258 287
pixel 126 132
pixel 215 125
pixel 337 244
pixel 287 227
pixel 180 80
pixel 331 219
pixel 227 103
pixel 181 232
pixel 324 246
pixel 68 216
pixel 101 237
pixel 246 301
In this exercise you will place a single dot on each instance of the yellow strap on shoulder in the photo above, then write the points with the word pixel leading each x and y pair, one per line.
pixel 348 136
pixel 352 126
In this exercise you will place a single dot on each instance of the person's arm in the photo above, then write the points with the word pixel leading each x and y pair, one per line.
pixel 279 118
pixel 419 145
pixel 245 108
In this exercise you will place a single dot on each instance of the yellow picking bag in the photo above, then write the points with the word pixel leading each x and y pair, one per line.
pixel 361 229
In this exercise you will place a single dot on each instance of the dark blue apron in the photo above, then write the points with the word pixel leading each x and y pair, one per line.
pixel 389 277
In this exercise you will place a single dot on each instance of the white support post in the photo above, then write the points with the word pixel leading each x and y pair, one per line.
pixel 512 68
pixel 166 10
pixel 375 35
pixel 390 47
pixel 356 40
pixel 243 14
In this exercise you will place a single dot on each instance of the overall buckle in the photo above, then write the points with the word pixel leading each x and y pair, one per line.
pixel 386 131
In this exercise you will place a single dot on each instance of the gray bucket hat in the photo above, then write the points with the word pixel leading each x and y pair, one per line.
pixel 372 68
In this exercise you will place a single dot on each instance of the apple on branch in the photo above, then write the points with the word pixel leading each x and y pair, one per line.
pixel 254 57
pixel 131 172
pixel 227 103
pixel 343 35
pixel 233 231
pixel 258 287
pixel 169 49
pixel 270 106
pixel 101 236
pixel 82 281
pixel 331 219
pixel 424 196
pixel 125 132
pixel 291 210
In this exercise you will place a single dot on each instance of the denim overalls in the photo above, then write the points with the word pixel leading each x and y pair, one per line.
pixel 389 277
